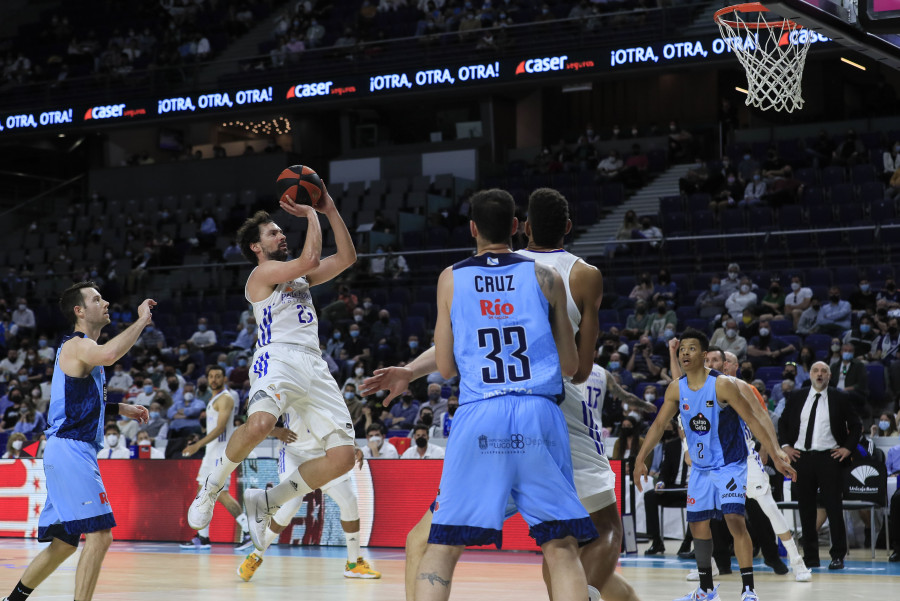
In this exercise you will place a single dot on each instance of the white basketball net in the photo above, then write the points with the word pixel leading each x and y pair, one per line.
pixel 773 52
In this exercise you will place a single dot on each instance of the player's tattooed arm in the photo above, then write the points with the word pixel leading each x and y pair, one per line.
pixel 626 397
pixel 545 278
pixel 433 578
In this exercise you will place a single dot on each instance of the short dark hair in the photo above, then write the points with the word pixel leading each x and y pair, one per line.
pixel 248 234
pixel 699 336
pixel 376 427
pixel 548 214
pixel 715 349
pixel 493 212
pixel 72 297
pixel 214 367
pixel 421 426
pixel 112 426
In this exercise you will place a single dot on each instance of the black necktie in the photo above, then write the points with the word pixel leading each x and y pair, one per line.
pixel 811 423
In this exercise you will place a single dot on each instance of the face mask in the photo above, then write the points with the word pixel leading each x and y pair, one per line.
pixel 745 288
pixel 149 329
pixel 764 332
pixel 433 396
pixel 23 378
pixel 337 335
pixel 31 356
pixel 640 310
pixel 148 389
pixel 613 365
pixel 795 286
pixel 865 328
pixel 359 371
pixel 223 364
pixel 814 307
pixel 154 415
pixel 242 362
pixel 730 333
pixel 21 307
pixel 732 275
pixel 864 287
pixel 421 442
pixel 756 178
pixel 112 440
pixel 669 334
pixel 846 356
pixel 17 444
pixel 835 347
pixel 747 319
pixel 354 333
pixel 357 318
pixel 892 330
pixel 144 443
pixel 427 419
pixel 787 375
pixel 746 157
pixel 385 319
pixel 714 287
pixel 626 432
pixel 649 397
pixel 182 351
pixel 376 439
pixel 661 310
pixel 188 397
pixel 349 395
pixel 413 344
pixel 201 327
pixel 882 425
pixel 451 409
pixel 634 132
pixel 42 343
pixel 367 305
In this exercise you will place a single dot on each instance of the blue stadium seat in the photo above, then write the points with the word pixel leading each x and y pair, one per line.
pixel 781 327
pixel 820 342
pixel 876 380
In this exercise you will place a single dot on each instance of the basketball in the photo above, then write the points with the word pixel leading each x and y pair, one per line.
pixel 300 183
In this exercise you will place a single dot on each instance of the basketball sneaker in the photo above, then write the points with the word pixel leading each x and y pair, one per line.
pixel 801 572
pixel 694 575
pixel 701 595
pixel 198 543
pixel 248 566
pixel 259 515
pixel 749 595
pixel 201 510
pixel 593 594
pixel 360 569
pixel 246 542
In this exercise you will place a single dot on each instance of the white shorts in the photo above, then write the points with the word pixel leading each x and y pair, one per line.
pixel 206 467
pixel 287 375
pixel 595 482
pixel 340 489
pixel 757 479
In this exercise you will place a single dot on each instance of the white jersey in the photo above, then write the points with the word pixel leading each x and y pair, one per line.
pixel 563 261
pixel 215 447
pixel 287 316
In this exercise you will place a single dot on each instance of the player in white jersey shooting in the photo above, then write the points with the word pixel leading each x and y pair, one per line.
pixel 219 427
pixel 548 223
pixel 288 369
pixel 292 454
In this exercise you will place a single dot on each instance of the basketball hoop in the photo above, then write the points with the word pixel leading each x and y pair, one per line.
pixel 771 49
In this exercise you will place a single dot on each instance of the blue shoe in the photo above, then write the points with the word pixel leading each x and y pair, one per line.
pixel 749 596
pixel 198 543
pixel 700 595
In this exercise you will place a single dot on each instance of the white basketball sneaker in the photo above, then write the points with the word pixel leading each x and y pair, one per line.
pixel 259 515
pixel 748 595
pixel 201 510
pixel 701 595
pixel 593 594
pixel 694 575
pixel 801 572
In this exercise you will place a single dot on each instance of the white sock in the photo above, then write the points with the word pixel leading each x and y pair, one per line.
pixel 221 472
pixel 242 522
pixel 270 538
pixel 353 552
pixel 593 593
pixel 293 486
pixel 204 532
pixel 791 547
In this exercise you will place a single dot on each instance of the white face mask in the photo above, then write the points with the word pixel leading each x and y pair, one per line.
pixel 112 440
pixel 649 397
pixel 359 371
pixel 731 333
pixel 745 288
pixel 764 331
pixel 188 397
pixel 795 286
pixel 732 275
pixel 375 440
pixel 17 445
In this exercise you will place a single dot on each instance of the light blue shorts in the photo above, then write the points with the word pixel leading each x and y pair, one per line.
pixel 714 492
pixel 508 446
pixel 76 498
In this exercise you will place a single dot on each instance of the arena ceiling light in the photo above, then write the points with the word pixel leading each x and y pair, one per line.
pixel 275 126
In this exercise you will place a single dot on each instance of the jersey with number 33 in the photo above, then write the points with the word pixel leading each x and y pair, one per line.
pixel 287 316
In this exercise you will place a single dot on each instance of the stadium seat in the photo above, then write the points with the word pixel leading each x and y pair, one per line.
pixel 401 443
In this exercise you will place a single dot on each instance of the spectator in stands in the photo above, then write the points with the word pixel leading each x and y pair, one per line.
pixel 641 364
pixel 147 393
pixel 184 413
pixel 680 142
pixel 696 178
pixel 773 302
pixel 445 420
pixel 617 369
pixel 435 403
pixel 145 441
pixel 422 449
pixel 609 168
pixel 377 447
pixel 887 350
pixel 158 426
pixel 14 445
pixel 626 232
pixel 113 444
pixel 766 350
pixel 890 161
pixel 649 231
pixel 664 316
pixel 889 297
pixel 862 337
pixel 864 298
pixel 885 426
pixel 743 298
pixel 732 281
pixel 151 338
pixel 8 330
pixel 585 156
pixel 728 195
pixel 665 289
pixel 629 443
pixel 239 374
pixel 797 300
pixel 335 344
pixel 729 340
pixel 634 174
pixel 11 365
pixel 834 353
pixel 643 290
pixel 343 307
pixel 672 475
pixel 468 24
pixel 246 337
pixel 45 350
pixel 426 417
pixel 834 316
pixel 850 375
pixel 637 323
pixel 711 301
pixel 403 414
pixel 120 381
pixel 31 423
pixel 851 151
pixel 203 339
pixel 23 317
pixel 396 267
pixel 754 191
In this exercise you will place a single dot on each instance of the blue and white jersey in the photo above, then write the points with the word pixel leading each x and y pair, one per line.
pixel 501 330
pixel 715 434
pixel 77 404
pixel 287 316
pixel 215 447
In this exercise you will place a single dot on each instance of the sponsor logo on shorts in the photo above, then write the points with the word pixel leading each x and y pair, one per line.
pixel 732 485
pixel 691 500
pixel 103 499
pixel 733 495
pixel 482 442
pixel 515 443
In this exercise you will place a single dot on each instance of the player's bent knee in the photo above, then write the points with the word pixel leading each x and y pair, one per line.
pixel 342 457
pixel 259 425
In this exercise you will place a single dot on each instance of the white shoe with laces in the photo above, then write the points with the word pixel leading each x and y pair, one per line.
pixel 801 572
pixel 694 575
pixel 701 595
pixel 749 595
pixel 259 515
pixel 201 510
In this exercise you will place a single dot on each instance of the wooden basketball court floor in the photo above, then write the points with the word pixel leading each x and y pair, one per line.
pixel 153 571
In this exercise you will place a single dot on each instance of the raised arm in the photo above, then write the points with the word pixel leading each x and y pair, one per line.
pixel 626 397
pixel 552 286
pixel 332 266
pixel 89 354
pixel 272 273
pixel 586 286
pixel 443 331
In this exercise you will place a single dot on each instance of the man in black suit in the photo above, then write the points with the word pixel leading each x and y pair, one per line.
pixel 672 475
pixel 818 428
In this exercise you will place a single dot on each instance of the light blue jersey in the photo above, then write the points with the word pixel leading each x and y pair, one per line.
pixel 501 332
pixel 77 404
pixel 714 434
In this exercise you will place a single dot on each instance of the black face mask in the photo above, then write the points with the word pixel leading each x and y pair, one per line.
pixel 788 375
pixel 421 442
pixel 427 419
pixel 661 310
pixel 775 290
pixel 384 319
pixel 203 387
pixel 747 376
pixel 626 432
pixel 834 298
pixel 640 310
pixel 892 331
pixel 451 409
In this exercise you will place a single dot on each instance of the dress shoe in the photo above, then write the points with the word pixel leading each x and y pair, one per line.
pixel 686 555
pixel 812 563
pixel 778 565
pixel 836 564
pixel 657 548
pixel 895 556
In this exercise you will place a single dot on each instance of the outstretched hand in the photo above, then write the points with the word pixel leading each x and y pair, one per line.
pixel 138 413
pixel 783 465
pixel 393 379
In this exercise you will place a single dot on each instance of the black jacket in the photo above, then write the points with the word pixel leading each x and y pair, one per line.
pixel 857 377
pixel 845 425
pixel 671 461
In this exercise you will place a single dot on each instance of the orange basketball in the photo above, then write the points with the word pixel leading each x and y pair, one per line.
pixel 301 183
